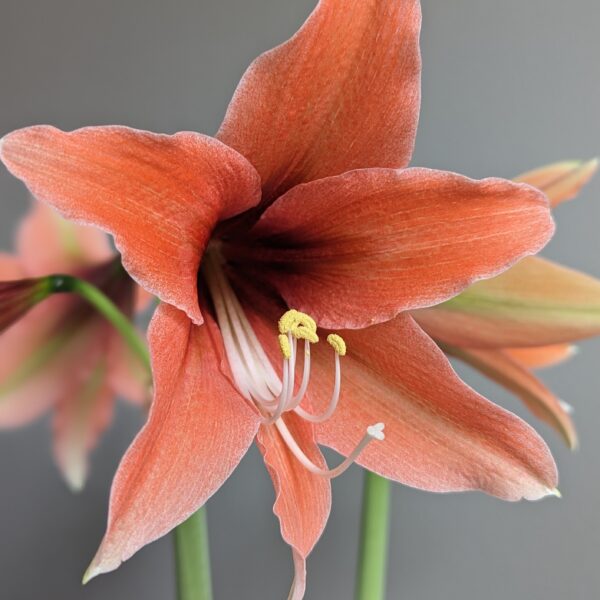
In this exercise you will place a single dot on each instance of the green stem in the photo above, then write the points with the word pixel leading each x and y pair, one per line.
pixel 192 562
pixel 105 306
pixel 192 558
pixel 374 534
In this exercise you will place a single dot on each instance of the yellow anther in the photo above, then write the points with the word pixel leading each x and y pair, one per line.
pixel 304 320
pixel 337 343
pixel 284 344
pixel 302 333
pixel 287 321
pixel 300 325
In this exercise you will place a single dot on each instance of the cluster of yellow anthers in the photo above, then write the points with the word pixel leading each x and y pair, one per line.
pixel 301 326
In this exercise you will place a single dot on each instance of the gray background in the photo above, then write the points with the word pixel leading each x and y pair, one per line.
pixel 507 86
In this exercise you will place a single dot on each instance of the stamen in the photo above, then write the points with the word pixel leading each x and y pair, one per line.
pixel 285 346
pixel 374 432
pixel 254 374
pixel 335 396
pixel 337 343
pixel 305 377
pixel 300 325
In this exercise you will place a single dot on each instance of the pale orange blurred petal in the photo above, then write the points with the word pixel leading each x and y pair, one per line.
pixel 535 303
pixel 539 357
pixel 47 243
pixel 515 377
pixel 561 181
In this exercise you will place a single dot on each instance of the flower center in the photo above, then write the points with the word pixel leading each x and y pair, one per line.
pixel 259 382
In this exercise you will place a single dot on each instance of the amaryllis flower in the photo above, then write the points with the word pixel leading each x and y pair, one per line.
pixel 301 202
pixel 62 355
pixel 528 317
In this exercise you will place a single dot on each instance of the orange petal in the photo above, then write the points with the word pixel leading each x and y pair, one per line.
pixel 302 499
pixel 359 248
pixel 540 357
pixel 343 93
pixel 81 415
pixel 198 430
pixel 561 181
pixel 440 435
pixel 159 195
pixel 536 303
pixel 46 243
pixel 509 373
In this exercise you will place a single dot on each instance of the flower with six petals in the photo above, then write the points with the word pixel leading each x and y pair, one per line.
pixel 301 201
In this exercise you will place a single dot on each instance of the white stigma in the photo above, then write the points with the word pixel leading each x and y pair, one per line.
pixel 258 381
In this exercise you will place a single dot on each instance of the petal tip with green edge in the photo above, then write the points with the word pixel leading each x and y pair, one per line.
pixel 91 572
pixel 554 492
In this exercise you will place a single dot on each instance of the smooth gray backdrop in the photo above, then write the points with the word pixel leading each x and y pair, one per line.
pixel 507 86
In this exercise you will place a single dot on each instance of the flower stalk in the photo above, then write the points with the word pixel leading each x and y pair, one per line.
pixel 192 558
pixel 374 534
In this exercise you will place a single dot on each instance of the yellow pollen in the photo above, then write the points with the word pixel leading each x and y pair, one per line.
pixel 284 344
pixel 337 343
pixel 300 325
pixel 302 333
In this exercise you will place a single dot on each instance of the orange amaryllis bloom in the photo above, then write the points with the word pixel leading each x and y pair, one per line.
pixel 527 317
pixel 302 200
pixel 62 355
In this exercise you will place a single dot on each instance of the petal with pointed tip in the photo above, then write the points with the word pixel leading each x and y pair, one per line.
pixel 391 240
pixel 302 499
pixel 81 415
pixel 540 357
pixel 535 303
pixel 343 93
pixel 509 373
pixel 198 430
pixel 561 181
pixel 159 195
pixel 440 434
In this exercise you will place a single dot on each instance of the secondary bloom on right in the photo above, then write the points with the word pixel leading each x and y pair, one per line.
pixel 528 317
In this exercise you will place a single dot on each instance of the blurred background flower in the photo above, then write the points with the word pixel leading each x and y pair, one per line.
pixel 62 355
